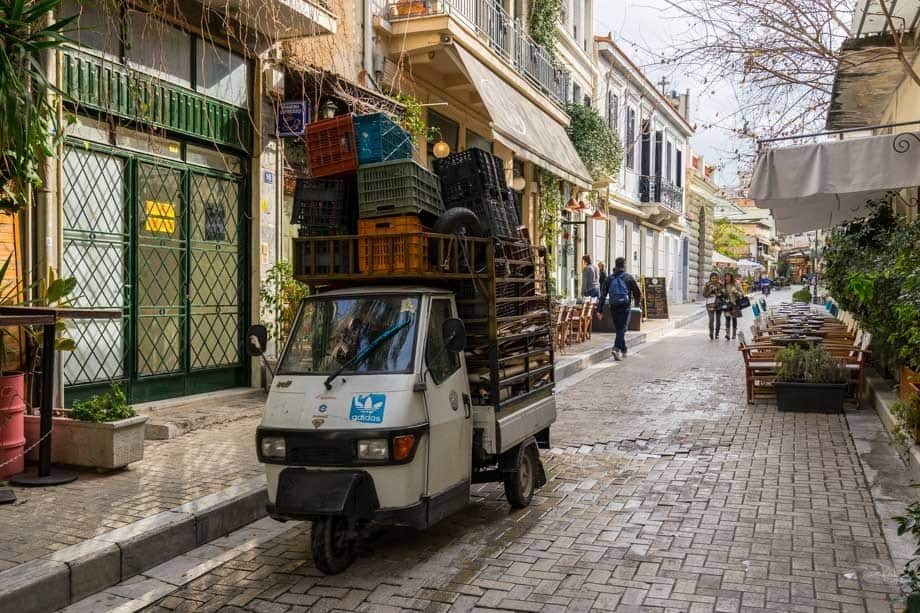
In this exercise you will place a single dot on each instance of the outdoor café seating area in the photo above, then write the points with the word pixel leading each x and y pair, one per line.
pixel 572 322
pixel 807 326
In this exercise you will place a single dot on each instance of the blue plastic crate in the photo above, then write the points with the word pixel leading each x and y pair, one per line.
pixel 379 139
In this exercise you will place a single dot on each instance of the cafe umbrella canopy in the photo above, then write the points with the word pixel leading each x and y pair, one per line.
pixel 822 185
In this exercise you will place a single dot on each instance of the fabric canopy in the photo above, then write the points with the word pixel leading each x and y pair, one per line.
pixel 750 265
pixel 718 258
pixel 825 184
pixel 521 126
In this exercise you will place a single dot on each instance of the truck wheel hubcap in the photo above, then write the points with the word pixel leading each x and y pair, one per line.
pixel 526 475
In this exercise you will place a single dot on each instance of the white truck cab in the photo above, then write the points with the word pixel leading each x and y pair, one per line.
pixel 370 419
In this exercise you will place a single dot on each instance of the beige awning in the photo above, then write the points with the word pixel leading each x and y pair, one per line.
pixel 822 185
pixel 521 126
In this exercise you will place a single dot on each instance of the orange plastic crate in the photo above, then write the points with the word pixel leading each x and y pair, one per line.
pixel 331 146
pixel 386 241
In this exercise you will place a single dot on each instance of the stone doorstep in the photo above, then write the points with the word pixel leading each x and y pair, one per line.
pixel 172 418
pixel 84 569
pixel 91 567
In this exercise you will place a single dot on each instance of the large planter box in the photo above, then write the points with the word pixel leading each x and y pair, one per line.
pixel 811 397
pixel 907 382
pixel 106 445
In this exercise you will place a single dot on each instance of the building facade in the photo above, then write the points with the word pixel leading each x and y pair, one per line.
pixel 162 198
pixel 647 200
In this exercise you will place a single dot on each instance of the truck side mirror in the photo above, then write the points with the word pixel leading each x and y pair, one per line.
pixel 256 340
pixel 454 334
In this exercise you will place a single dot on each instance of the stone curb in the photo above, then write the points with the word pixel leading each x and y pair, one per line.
pixel 882 396
pixel 635 340
pixel 84 569
pixel 91 567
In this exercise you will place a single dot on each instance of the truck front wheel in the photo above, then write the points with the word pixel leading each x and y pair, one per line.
pixel 520 482
pixel 332 542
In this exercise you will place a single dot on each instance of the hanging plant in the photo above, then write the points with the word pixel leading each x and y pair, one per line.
pixel 544 14
pixel 550 214
pixel 413 118
pixel 596 144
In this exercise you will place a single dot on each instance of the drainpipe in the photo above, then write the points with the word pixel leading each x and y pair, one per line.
pixel 368 43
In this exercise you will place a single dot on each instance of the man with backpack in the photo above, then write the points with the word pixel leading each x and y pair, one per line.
pixel 621 287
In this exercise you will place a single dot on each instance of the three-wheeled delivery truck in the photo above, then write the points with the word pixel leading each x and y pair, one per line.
pixel 420 364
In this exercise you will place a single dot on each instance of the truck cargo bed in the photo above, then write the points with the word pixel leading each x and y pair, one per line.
pixel 500 288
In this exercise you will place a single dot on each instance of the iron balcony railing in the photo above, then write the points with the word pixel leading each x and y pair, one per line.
pixel 507 38
pixel 658 190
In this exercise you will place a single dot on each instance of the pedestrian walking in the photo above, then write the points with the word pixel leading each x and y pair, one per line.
pixel 621 288
pixel 590 286
pixel 715 300
pixel 733 293
pixel 602 277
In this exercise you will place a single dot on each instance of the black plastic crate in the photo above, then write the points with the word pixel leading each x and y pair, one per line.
pixel 473 173
pixel 320 190
pixel 493 216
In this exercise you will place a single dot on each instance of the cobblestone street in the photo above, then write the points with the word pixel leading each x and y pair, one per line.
pixel 666 492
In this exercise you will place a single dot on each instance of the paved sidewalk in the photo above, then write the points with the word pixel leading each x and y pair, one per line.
pixel 666 492
pixel 175 472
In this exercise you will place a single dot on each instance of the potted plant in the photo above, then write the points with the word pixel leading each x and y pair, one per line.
pixel 102 432
pixel 810 380
pixel 803 295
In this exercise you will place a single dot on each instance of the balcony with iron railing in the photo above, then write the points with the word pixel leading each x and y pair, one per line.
pixel 507 38
pixel 655 189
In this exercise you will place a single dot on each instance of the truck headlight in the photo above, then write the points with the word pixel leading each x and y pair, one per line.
pixel 373 449
pixel 273 447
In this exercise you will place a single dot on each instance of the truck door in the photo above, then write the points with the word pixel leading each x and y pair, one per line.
pixel 449 411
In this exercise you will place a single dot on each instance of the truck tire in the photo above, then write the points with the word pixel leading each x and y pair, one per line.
pixel 520 482
pixel 458 221
pixel 332 543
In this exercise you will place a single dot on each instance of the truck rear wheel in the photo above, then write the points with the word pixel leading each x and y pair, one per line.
pixel 521 481
pixel 332 543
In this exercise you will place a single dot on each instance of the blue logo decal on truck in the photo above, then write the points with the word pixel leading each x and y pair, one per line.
pixel 368 408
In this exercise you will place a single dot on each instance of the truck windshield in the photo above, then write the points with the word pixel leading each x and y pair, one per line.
pixel 331 332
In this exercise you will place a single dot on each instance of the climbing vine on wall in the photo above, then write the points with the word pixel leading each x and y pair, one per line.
pixel 550 214
pixel 542 23
pixel 598 147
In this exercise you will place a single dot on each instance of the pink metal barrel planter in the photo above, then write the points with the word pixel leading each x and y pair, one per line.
pixel 12 435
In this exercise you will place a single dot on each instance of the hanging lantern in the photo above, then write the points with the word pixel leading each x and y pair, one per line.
pixel 441 149
pixel 572 204
pixel 599 215
pixel 583 206
pixel 518 184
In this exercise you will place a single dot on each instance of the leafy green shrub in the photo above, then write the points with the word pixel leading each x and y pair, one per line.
pixel 909 523
pixel 280 295
pixel 908 416
pixel 814 365
pixel 872 271
pixel 111 406
pixel 803 295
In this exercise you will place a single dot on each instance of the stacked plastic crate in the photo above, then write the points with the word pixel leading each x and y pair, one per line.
pixel 475 179
pixel 393 196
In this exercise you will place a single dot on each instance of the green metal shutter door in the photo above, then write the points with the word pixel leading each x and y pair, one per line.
pixel 96 236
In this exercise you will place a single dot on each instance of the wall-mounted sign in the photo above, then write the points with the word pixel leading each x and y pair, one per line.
pixel 268 177
pixel 160 217
pixel 293 117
